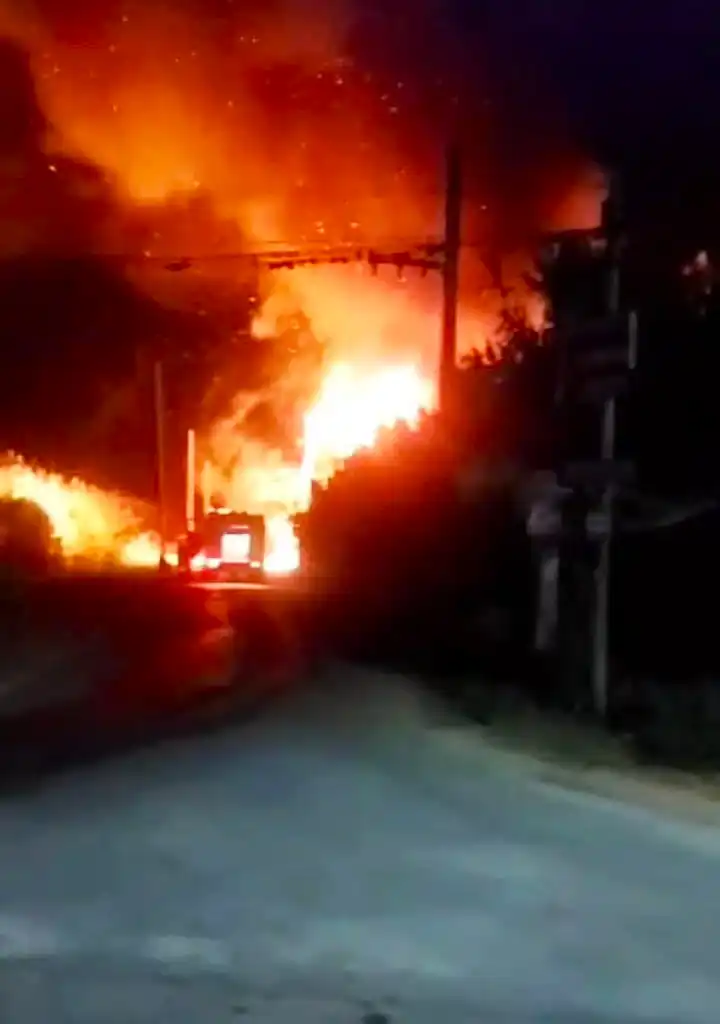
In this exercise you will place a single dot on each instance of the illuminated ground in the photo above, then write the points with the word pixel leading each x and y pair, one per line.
pixel 342 857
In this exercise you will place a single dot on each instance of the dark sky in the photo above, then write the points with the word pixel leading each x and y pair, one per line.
pixel 628 76
pixel 634 86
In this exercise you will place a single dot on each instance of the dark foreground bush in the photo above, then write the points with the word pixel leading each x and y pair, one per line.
pixel 423 576
pixel 27 542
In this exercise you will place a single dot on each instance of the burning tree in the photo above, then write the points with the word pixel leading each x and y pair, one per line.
pixel 399 536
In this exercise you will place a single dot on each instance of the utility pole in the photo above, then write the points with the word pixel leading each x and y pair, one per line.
pixel 451 274
pixel 423 255
pixel 159 404
pixel 611 223
pixel 190 482
pixel 601 637
pixel 598 349
pixel 601 653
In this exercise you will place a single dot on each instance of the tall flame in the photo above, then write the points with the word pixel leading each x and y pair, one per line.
pixel 254 126
pixel 352 408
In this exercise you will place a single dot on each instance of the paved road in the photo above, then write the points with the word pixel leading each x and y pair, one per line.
pixel 341 859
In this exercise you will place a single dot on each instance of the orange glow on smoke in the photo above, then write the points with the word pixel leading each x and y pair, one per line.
pixel 186 118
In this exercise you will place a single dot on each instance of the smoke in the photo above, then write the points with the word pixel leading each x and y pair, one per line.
pixel 199 127
pixel 311 33
pixel 71 320
pixel 48 201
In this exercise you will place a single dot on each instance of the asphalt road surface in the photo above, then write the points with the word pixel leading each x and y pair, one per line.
pixel 344 859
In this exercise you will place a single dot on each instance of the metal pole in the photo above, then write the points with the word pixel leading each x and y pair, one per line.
pixel 451 274
pixel 205 481
pixel 159 395
pixel 190 482
pixel 633 340
pixel 601 633
pixel 601 655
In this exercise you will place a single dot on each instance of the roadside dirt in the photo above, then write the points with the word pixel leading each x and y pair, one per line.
pixel 560 750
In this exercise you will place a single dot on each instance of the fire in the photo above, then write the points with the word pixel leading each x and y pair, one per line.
pixel 352 408
pixel 348 415
pixel 89 524
pixel 283 554
pixel 204 145
pixel 142 552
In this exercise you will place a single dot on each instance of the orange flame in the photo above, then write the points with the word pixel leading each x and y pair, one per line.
pixel 91 525
pixel 352 408
pixel 142 552
pixel 283 549
pixel 347 416
pixel 353 404
pixel 169 118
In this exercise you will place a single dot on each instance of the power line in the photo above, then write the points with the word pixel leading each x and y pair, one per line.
pixel 270 253
pixel 268 256
pixel 425 256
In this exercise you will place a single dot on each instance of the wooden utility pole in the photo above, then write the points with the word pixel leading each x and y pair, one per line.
pixel 451 275
pixel 601 653
pixel 598 353
pixel 159 403
pixel 601 632
pixel 601 353
pixel 190 486
pixel 424 255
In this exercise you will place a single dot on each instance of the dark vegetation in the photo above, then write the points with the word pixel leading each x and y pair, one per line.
pixel 426 545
